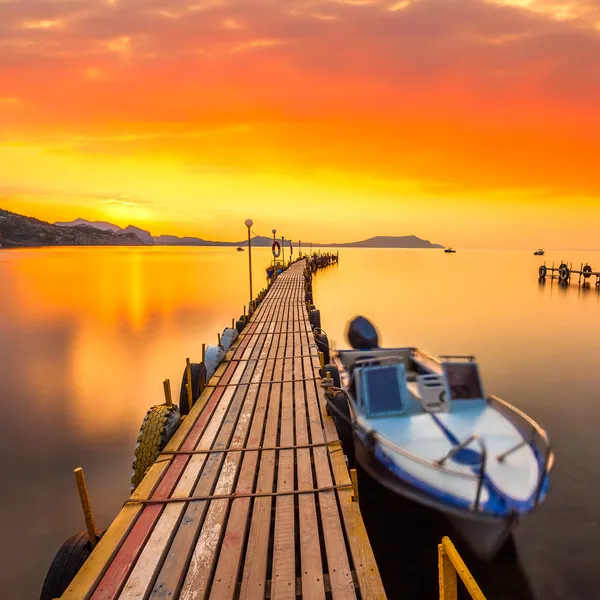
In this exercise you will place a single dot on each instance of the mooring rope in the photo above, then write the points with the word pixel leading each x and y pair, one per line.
pixel 235 495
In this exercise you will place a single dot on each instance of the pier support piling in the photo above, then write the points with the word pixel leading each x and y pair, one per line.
pixel 86 506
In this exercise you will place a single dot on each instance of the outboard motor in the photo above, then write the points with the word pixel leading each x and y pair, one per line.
pixel 362 335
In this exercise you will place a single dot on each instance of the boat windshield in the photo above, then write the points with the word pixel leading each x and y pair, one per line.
pixel 463 381
pixel 384 389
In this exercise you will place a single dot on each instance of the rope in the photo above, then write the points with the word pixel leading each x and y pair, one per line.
pixel 235 495
pixel 256 449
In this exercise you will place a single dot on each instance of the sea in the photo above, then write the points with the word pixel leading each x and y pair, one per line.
pixel 87 336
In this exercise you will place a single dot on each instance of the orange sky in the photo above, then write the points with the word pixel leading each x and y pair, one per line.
pixel 471 123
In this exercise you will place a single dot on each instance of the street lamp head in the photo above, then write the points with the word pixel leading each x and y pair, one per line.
pixel 249 223
pixel 274 231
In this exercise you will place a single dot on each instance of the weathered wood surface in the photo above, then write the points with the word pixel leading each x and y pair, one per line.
pixel 311 545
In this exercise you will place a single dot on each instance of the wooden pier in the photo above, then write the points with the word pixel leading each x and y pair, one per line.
pixel 251 498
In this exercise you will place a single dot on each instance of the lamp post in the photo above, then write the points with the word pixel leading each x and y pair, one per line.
pixel 283 251
pixel 249 224
pixel 274 260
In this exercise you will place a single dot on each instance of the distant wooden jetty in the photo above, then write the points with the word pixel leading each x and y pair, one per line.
pixel 565 273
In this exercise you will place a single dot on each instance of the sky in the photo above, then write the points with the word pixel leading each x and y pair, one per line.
pixel 471 123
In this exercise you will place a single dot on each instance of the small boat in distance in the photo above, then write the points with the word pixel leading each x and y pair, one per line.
pixel 240 249
pixel 539 252
pixel 424 428
pixel 449 250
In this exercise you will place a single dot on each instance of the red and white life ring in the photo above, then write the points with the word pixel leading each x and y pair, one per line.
pixel 276 249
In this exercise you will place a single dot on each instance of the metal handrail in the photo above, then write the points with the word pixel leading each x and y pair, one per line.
pixel 542 439
pixel 461 446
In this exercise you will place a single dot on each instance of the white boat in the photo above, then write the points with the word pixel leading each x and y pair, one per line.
pixel 424 429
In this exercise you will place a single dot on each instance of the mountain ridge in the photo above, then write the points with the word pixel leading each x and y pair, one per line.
pixel 379 241
pixel 19 230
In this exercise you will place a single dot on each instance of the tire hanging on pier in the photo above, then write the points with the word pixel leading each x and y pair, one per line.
pixel 564 273
pixel 198 372
pixel 315 318
pixel 543 271
pixel 158 426
pixel 587 271
pixel 343 424
pixel 66 564
pixel 322 342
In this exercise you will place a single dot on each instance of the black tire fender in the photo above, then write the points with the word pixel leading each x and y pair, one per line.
pixel 66 564
pixel 315 318
pixel 198 372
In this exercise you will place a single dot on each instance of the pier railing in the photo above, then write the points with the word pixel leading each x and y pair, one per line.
pixel 450 564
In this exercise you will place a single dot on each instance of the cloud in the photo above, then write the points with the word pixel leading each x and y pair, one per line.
pixel 455 93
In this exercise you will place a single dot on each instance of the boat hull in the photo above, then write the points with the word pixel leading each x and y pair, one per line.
pixel 485 534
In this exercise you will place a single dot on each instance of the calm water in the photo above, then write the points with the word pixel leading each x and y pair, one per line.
pixel 88 335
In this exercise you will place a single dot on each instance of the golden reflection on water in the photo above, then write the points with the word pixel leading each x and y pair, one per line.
pixel 117 321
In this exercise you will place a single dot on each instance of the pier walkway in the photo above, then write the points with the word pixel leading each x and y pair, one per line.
pixel 251 497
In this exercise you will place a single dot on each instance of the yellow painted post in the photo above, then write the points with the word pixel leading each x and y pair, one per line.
pixel 85 505
pixel 188 371
pixel 354 478
pixel 168 396
pixel 447 576
pixel 322 360
pixel 459 567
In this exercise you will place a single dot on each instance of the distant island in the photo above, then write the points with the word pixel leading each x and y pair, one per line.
pixel 19 231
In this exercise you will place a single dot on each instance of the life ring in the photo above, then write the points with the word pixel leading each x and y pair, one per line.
pixel 277 252
pixel 543 271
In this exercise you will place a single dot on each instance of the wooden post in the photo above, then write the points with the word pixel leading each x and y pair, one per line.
pixel 203 352
pixel 167 388
pixel 447 576
pixel 85 505
pixel 354 478
pixel 219 338
pixel 188 370
pixel 458 566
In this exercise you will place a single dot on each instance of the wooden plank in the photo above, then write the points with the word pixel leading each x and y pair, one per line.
pixel 284 556
pixel 228 566
pixel 256 566
pixel 311 560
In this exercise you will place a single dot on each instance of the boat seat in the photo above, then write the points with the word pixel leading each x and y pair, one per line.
pixel 430 391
